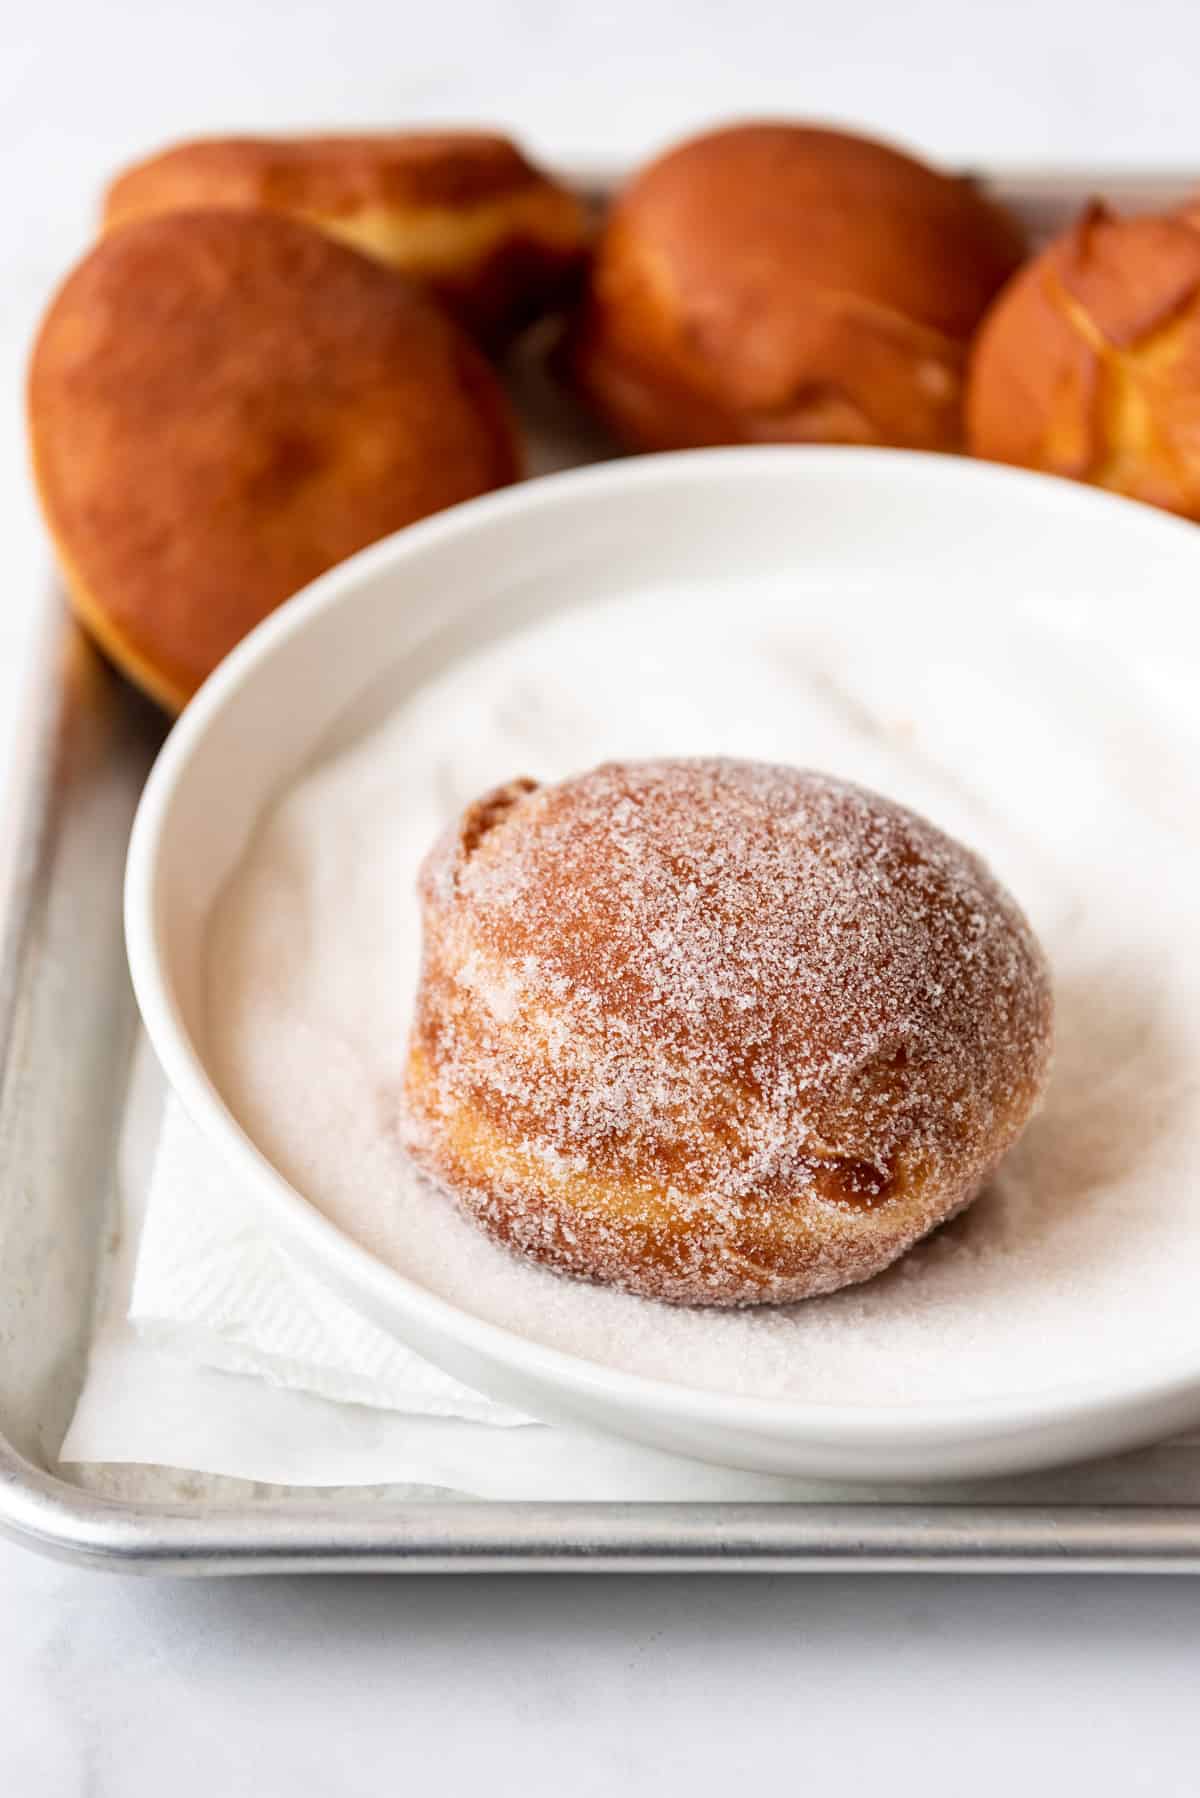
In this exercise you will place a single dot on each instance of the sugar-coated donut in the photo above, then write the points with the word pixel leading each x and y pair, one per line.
pixel 462 212
pixel 222 405
pixel 717 1032
pixel 780 283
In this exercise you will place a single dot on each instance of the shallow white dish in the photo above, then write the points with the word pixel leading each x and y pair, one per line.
pixel 324 664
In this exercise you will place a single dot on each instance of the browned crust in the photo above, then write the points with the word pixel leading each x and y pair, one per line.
pixel 463 212
pixel 766 1146
pixel 779 283
pixel 224 405
pixel 1088 365
pixel 786 1248
pixel 323 173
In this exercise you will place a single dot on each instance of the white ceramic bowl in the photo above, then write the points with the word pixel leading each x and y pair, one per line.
pixel 283 692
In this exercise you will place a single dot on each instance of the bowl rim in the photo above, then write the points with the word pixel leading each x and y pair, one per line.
pixel 838 1424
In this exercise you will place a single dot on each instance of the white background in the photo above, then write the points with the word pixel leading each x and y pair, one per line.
pixel 123 1687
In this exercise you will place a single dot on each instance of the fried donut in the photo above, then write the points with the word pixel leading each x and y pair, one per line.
pixel 778 283
pixel 222 405
pixel 716 1032
pixel 1088 365
pixel 462 212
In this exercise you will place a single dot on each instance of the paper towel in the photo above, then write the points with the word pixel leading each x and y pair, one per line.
pixel 213 1352
pixel 211 1286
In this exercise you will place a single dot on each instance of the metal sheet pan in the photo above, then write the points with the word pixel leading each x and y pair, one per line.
pixel 67 1031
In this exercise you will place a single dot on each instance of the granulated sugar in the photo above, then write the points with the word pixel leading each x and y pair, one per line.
pixel 1055 758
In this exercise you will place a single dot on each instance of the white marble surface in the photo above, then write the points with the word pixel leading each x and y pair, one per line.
pixel 127 1689
pixel 115 1688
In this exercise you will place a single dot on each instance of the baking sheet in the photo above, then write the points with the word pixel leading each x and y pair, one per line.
pixel 67 1032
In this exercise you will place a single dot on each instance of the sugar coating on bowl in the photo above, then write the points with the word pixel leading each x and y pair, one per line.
pixel 1060 765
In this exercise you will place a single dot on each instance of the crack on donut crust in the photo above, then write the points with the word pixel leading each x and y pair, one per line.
pixel 489 811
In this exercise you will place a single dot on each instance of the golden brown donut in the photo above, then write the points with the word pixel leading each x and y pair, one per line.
pixel 1088 365
pixel 778 283
pixel 222 405
pixel 462 212
pixel 717 1032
